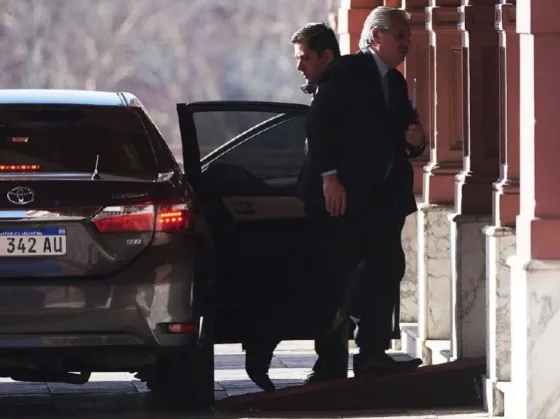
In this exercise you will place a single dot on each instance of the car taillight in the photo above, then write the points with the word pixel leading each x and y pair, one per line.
pixel 19 167
pixel 173 217
pixel 125 218
pixel 147 217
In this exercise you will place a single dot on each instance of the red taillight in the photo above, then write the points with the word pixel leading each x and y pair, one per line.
pixel 125 218
pixel 182 327
pixel 147 217
pixel 19 167
pixel 173 217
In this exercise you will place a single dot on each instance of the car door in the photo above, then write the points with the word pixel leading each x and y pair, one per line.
pixel 243 160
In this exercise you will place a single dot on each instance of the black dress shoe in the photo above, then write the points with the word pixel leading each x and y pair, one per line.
pixel 257 363
pixel 316 377
pixel 262 380
pixel 382 364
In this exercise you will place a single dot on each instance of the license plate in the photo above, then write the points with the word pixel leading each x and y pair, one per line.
pixel 33 242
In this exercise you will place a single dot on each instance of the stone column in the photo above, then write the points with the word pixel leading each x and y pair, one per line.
pixel 473 195
pixel 399 4
pixel 535 277
pixel 444 81
pixel 351 17
pixel 416 70
pixel 500 236
pixel 408 310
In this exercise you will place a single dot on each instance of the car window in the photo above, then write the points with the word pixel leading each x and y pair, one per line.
pixel 166 159
pixel 277 151
pixel 216 128
pixel 70 139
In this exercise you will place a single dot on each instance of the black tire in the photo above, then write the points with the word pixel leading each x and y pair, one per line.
pixel 185 379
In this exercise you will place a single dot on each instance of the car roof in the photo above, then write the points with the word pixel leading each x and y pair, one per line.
pixel 66 97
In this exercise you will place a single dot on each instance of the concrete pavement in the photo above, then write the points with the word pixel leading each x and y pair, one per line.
pixel 120 395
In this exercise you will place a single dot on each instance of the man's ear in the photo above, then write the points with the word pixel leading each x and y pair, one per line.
pixel 328 55
pixel 375 35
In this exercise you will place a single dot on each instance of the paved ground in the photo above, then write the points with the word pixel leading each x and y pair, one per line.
pixel 119 395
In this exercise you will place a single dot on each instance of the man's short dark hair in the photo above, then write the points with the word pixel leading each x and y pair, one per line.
pixel 317 37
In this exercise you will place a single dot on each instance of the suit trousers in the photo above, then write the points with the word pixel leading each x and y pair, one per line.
pixel 340 244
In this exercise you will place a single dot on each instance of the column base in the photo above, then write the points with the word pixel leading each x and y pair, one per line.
pixel 535 343
pixel 409 295
pixel 433 351
pixel 495 395
pixel 468 285
pixel 500 245
pixel 433 278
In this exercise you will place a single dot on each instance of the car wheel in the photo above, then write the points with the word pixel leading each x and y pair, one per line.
pixel 186 379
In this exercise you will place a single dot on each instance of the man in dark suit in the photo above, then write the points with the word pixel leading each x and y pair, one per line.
pixel 315 47
pixel 357 184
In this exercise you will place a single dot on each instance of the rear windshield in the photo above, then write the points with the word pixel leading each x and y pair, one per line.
pixel 74 139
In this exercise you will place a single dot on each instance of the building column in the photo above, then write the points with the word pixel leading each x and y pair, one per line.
pixel 399 4
pixel 443 81
pixel 473 194
pixel 535 277
pixel 351 17
pixel 500 236
pixel 416 70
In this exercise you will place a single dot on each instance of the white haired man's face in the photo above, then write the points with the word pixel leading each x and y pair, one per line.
pixel 392 45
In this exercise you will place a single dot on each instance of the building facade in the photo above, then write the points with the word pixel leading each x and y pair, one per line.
pixel 483 251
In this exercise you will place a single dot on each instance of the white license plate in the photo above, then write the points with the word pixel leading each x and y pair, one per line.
pixel 33 242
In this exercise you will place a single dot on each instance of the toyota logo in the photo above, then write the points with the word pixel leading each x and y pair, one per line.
pixel 21 195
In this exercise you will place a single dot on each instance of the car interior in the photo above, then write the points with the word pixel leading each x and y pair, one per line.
pixel 246 187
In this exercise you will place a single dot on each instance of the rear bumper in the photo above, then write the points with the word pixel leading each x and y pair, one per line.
pixel 123 309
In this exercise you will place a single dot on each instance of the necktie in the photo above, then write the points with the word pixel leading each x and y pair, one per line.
pixel 385 83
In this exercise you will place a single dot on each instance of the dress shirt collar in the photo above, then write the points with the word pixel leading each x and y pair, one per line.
pixel 381 66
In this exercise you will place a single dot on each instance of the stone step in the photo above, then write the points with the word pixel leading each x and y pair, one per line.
pixel 505 388
pixel 440 351
pixel 446 353
pixel 494 395
pixel 409 336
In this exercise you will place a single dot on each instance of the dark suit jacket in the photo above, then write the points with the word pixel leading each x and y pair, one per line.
pixel 350 129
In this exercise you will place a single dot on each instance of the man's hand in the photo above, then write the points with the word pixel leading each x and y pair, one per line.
pixel 415 135
pixel 335 195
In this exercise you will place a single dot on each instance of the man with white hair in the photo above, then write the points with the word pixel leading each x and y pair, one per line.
pixel 357 184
